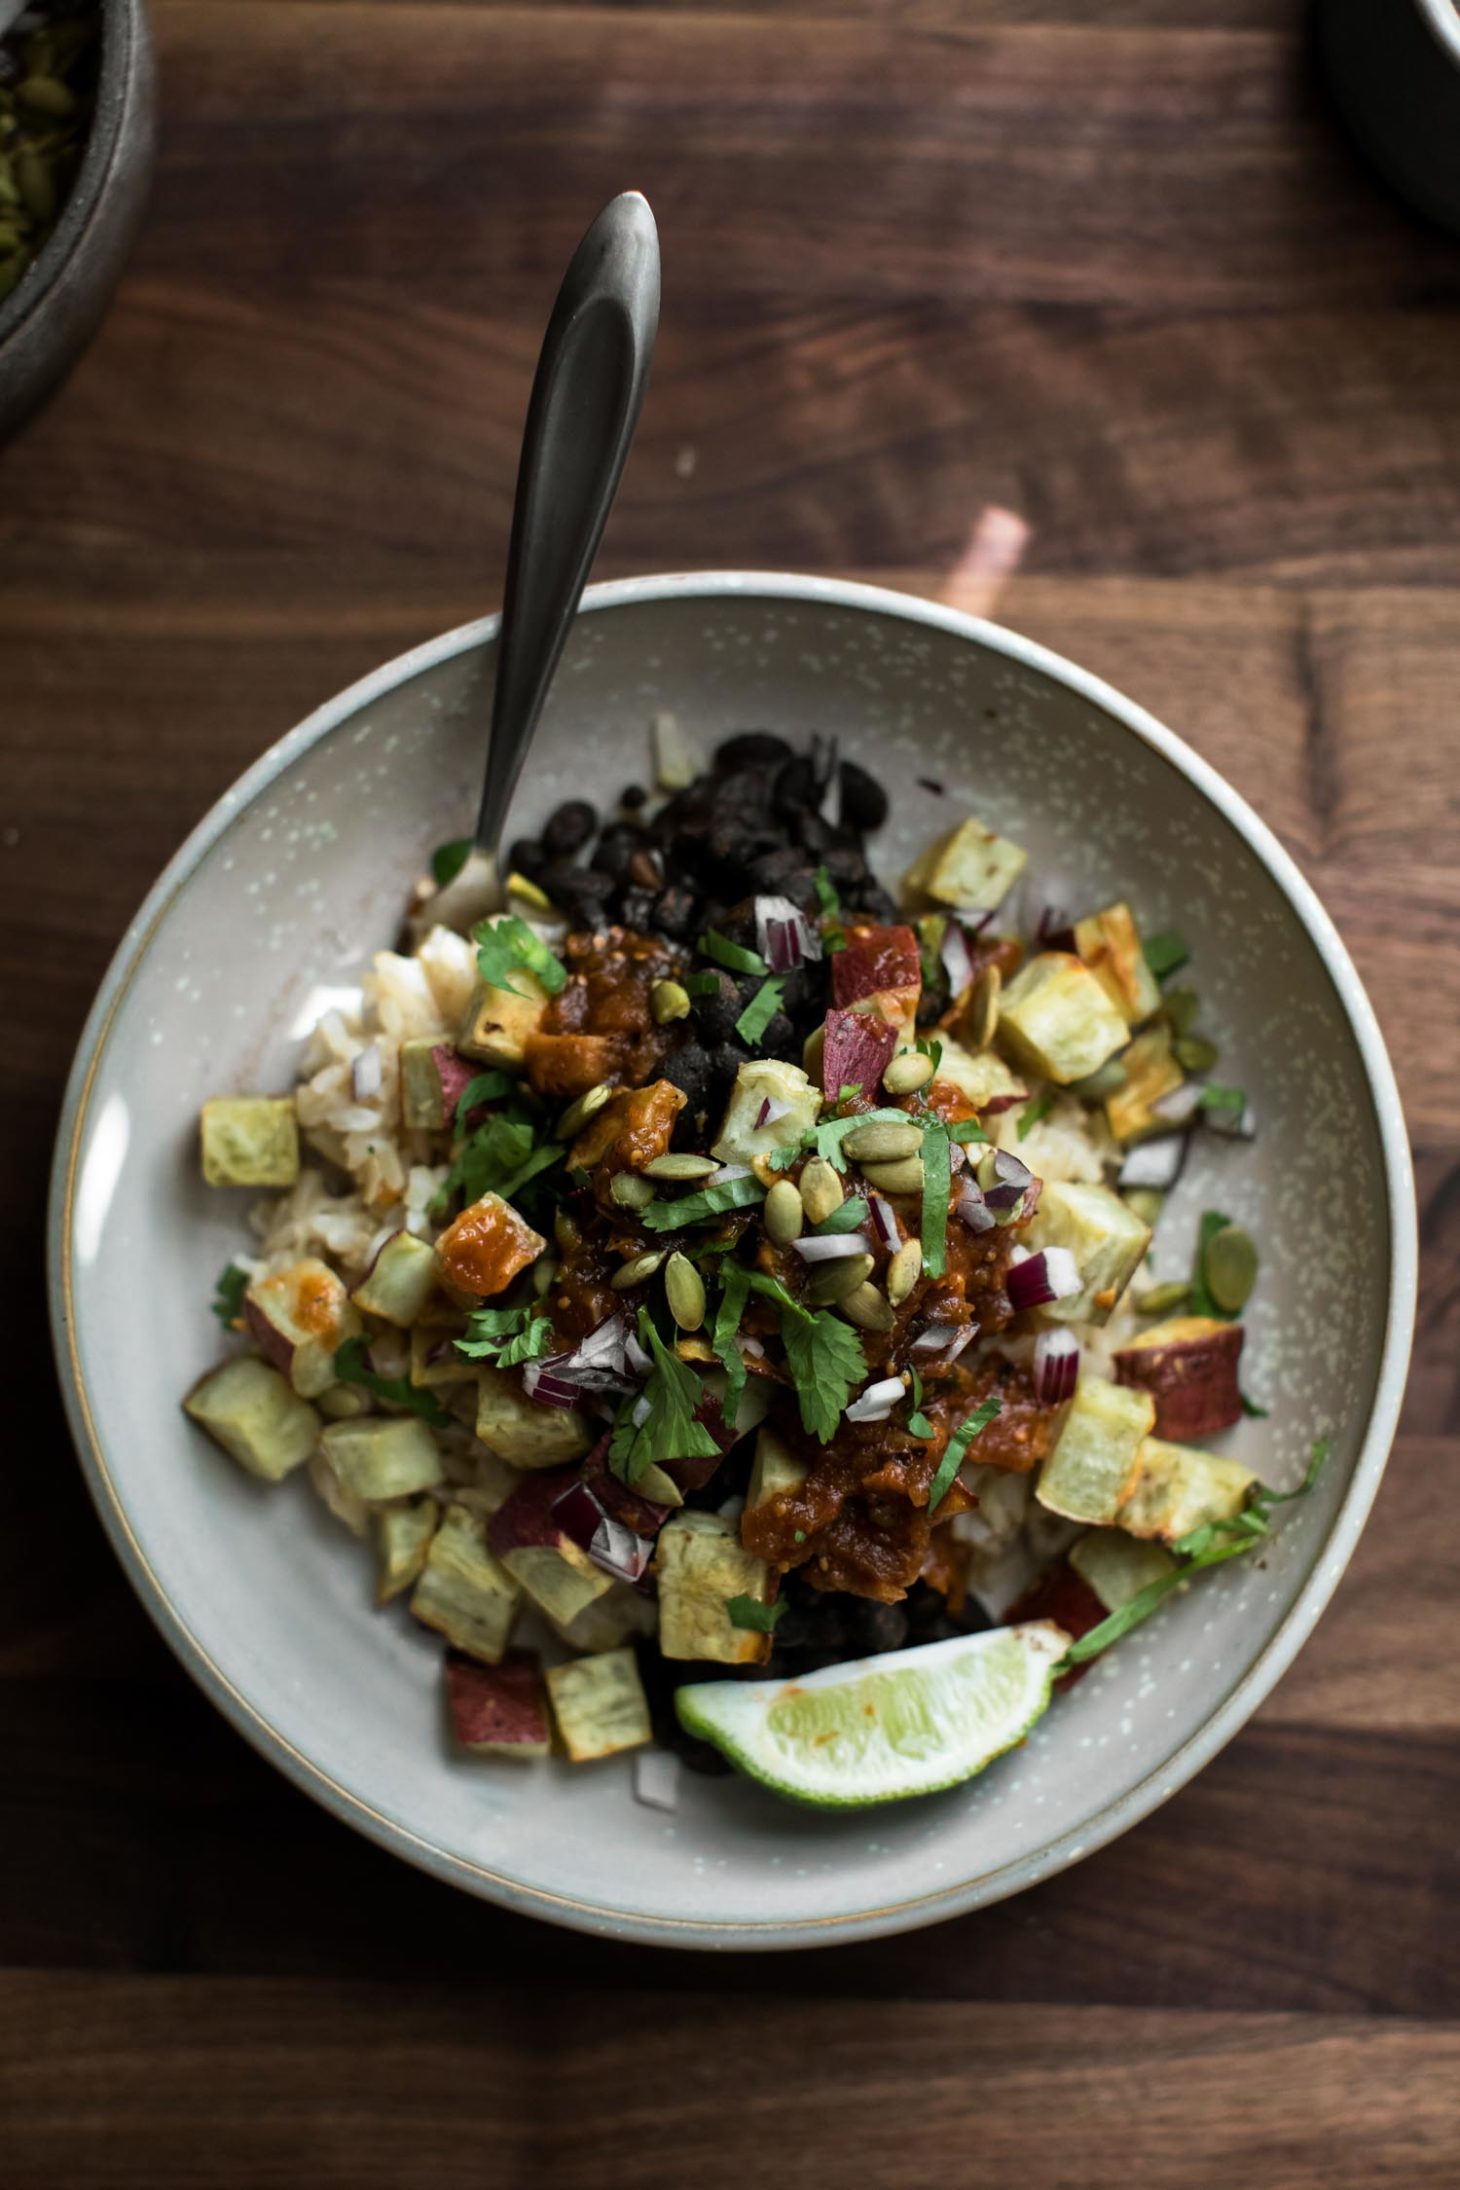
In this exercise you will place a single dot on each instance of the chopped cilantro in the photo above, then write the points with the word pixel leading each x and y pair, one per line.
pixel 701 984
pixel 735 1291
pixel 826 1360
pixel 509 946
pixel 798 1536
pixel 487 1087
pixel 931 931
pixel 711 1201
pixel 731 955
pixel 228 1299
pixel 507 1335
pixel 496 1159
pixel 1250 1407
pixel 937 1184
pixel 1041 1107
pixel 1207 1546
pixel 833 934
pixel 930 1046
pixel 917 1422
pixel 827 1137
pixel 966 1129
pixel 351 1368
pixel 845 1218
pixel 750 1612
pixel 1202 1303
pixel 448 860
pixel 668 1430
pixel 773 1289
pixel 958 1445
pixel 1222 1098
pixel 1165 953
pixel 760 1011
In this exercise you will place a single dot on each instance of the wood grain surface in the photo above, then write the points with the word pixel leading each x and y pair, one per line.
pixel 1106 264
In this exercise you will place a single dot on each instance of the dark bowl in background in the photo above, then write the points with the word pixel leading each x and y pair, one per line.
pixel 47 321
pixel 1394 70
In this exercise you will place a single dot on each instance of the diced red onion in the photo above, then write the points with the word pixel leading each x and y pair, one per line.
pixel 1181 1105
pixel 600 1362
pixel 785 937
pixel 1155 1164
pixel 770 1110
pixel 1018 1254
pixel 956 1344
pixel 945 1339
pixel 1052 1274
pixel 637 1359
pixel 1053 930
pixel 1004 1179
pixel 971 1209
pixel 831 1246
pixel 884 1223
pixel 726 1173
pixel 957 961
pixel 543 1381
pixel 877 1401
pixel 619 1551
pixel 1056 1367
pixel 367 1073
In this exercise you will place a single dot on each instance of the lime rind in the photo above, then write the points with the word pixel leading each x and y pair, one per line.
pixel 883 1729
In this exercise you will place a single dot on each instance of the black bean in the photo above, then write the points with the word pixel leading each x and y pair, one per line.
pixel 691 1068
pixel 779 1038
pixel 617 846
pixel 863 802
pixel 674 913
pixel 785 872
pixel 872 899
pixel 526 856
pixel 750 749
pixel 638 910
pixel 632 797
pixel 568 828
pixel 582 893
pixel 727 1059
pixel 873 1627
pixel 715 1016
pixel 796 787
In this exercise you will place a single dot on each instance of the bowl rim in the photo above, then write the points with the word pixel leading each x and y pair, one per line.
pixel 1247 1692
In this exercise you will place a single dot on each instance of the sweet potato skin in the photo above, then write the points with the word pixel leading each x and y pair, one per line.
pixel 1189 1366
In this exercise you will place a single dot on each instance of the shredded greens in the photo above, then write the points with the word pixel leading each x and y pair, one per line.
pixel 937 1184
pixel 711 1201
pixel 1165 953
pixel 351 1367
pixel 448 860
pixel 749 1612
pixel 1033 1112
pixel 735 1291
pixel 958 1445
pixel 760 1011
pixel 733 956
pixel 507 1336
pixel 666 1428
pixel 228 1298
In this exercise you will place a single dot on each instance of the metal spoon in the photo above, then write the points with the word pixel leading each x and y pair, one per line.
pixel 585 404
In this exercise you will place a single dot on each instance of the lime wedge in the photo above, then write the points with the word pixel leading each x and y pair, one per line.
pixel 881 1729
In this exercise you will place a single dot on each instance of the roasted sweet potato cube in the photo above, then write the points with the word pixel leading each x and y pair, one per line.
pixel 879 970
pixel 1110 944
pixel 498 1710
pixel 1189 1367
pixel 486 1247
pixel 633 1127
pixel 856 1052
pixel 562 1066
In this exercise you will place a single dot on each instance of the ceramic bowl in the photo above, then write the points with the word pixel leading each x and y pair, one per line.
pixel 300 871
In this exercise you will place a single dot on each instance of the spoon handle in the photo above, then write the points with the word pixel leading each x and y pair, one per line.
pixel 586 400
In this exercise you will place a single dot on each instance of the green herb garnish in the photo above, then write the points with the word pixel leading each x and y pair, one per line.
pixel 670 1394
pixel 735 1291
pixel 827 1136
pixel 448 860
pixel 845 1218
pixel 711 1201
pixel 733 956
pixel 1202 1303
pixel 509 946
pixel 1207 1546
pixel 750 1612
pixel 1222 1098
pixel 507 1335
pixel 760 1011
pixel 1250 1407
pixel 1040 1108
pixel 351 1367
pixel 958 1445
pixel 937 1184
pixel 228 1298
pixel 499 1158
pixel 833 934
pixel 1165 952
pixel 826 1361
pixel 487 1087
pixel 917 1422
pixel 700 984
pixel 964 1130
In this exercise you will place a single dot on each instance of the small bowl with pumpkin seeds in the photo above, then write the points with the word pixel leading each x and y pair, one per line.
pixel 76 137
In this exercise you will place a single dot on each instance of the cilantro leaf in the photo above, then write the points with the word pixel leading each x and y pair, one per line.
pixel 735 1284
pixel 1222 1098
pixel 351 1368
pixel 1210 1545
pixel 845 1217
pixel 666 1404
pixel 930 1046
pixel 966 1129
pixel 1165 952
pixel 731 955
pixel 958 1445
pixel 448 860
pixel 827 1136
pixel 487 1087
pixel 509 946
pixel 228 1299
pixel 773 1289
pixel 750 1612
pixel 507 1336
pixel 937 1185
pixel 1250 1407
pixel 1040 1108
pixel 760 1011
pixel 826 1360
pixel 701 984
pixel 833 934
pixel 711 1201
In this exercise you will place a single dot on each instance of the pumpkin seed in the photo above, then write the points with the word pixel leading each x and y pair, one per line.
pixel 784 1213
pixel 821 1190
pixel 1229 1267
pixel 1179 1008
pixel 34 182
pixel 46 95
pixel 576 1116
pixel 905 1177
pixel 684 1289
pixel 631 1190
pixel 908 1071
pixel 668 1000
pixel 565 1230
pixel 544 1270
pixel 983 1006
pixel 680 1167
pixel 867 1309
pixel 520 885
pixel 1145 1202
pixel 637 1270
pixel 1159 1300
pixel 1099 1086
pixel 883 1143
pixel 904 1270
pixel 833 1281
pixel 1194 1053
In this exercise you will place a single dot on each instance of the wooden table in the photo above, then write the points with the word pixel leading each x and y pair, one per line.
pixel 1101 263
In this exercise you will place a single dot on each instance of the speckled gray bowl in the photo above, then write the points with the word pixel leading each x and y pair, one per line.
pixel 299 872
